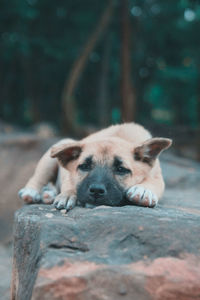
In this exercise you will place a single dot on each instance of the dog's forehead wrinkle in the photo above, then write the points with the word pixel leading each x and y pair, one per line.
pixel 104 153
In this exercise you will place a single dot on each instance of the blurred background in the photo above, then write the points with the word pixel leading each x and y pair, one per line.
pixel 77 66
pixel 72 67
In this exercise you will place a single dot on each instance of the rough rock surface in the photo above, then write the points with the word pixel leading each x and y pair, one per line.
pixel 106 253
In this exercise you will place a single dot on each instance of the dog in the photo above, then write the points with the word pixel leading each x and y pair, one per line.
pixel 115 166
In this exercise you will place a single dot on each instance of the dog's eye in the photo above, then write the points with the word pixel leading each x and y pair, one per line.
pixel 85 167
pixel 122 171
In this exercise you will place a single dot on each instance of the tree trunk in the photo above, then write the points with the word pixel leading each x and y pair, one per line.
pixel 127 91
pixel 68 101
pixel 31 87
pixel 103 96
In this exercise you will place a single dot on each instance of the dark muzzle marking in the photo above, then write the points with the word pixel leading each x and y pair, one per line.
pixel 100 188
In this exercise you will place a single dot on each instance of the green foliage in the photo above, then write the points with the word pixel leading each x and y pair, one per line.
pixel 40 40
pixel 169 45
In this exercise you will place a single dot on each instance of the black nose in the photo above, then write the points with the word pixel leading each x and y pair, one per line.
pixel 97 190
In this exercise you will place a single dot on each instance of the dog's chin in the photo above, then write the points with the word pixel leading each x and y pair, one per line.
pixel 119 200
pixel 100 188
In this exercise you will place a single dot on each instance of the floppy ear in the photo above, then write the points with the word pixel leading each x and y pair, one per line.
pixel 150 150
pixel 66 152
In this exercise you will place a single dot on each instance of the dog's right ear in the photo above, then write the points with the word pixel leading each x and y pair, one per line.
pixel 150 150
pixel 66 152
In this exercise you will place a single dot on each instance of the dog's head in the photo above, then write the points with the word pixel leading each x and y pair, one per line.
pixel 102 170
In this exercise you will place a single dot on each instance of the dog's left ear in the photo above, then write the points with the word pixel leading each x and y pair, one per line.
pixel 66 152
pixel 150 150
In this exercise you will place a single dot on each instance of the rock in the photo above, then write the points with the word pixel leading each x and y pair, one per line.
pixel 106 253
pixel 182 177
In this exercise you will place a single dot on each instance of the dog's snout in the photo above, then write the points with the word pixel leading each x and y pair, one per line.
pixel 97 190
pixel 100 188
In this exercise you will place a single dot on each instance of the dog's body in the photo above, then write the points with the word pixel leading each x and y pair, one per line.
pixel 114 166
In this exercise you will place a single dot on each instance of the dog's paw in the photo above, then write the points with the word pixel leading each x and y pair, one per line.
pixel 141 196
pixel 29 195
pixel 65 202
pixel 49 193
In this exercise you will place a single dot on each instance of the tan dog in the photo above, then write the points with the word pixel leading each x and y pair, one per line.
pixel 115 166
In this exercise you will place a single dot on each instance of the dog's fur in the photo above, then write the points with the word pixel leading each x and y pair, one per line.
pixel 115 166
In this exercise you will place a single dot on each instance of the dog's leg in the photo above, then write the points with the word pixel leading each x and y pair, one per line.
pixel 67 197
pixel 148 192
pixel 44 173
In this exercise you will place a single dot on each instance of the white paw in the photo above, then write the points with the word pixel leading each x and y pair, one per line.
pixel 48 194
pixel 141 196
pixel 29 195
pixel 65 202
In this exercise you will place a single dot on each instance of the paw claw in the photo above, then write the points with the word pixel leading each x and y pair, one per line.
pixel 71 203
pixel 64 202
pixel 141 196
pixel 60 202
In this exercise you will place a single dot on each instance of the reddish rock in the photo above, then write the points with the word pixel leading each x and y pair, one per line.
pixel 161 279
pixel 171 278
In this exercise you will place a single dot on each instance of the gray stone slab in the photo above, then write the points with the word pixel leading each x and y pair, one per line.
pixel 95 240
